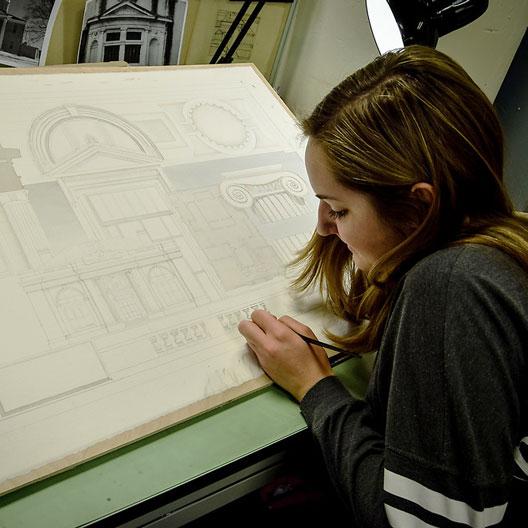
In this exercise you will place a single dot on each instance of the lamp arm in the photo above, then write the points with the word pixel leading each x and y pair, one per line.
pixel 449 16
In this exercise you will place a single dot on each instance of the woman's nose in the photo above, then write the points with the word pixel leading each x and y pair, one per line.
pixel 325 223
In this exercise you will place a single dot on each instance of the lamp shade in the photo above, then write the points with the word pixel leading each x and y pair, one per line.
pixel 398 23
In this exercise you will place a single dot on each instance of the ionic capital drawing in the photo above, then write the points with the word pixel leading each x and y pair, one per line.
pixel 242 192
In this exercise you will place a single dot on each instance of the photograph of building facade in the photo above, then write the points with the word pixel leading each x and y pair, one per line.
pixel 140 32
pixel 23 24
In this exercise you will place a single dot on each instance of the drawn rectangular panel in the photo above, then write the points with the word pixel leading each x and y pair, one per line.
pixel 35 381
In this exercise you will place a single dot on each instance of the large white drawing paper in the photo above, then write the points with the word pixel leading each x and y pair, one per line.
pixel 143 213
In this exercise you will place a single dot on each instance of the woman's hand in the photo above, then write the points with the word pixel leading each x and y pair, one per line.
pixel 288 360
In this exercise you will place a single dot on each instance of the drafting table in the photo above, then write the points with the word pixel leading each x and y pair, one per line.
pixel 177 475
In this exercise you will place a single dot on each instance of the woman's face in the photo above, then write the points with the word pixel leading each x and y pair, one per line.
pixel 347 213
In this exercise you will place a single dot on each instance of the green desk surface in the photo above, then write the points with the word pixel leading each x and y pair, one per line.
pixel 163 461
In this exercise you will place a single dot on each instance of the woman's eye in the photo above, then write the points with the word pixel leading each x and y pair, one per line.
pixel 337 214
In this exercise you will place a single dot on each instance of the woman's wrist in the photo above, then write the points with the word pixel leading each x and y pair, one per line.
pixel 306 388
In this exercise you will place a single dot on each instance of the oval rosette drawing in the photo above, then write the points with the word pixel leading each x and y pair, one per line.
pixel 219 126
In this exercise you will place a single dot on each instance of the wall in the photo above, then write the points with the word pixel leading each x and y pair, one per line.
pixel 64 38
pixel 331 38
pixel 512 105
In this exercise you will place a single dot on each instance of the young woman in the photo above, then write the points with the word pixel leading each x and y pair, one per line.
pixel 417 245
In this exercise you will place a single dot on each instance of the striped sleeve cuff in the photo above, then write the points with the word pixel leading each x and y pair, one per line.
pixel 520 456
pixel 409 504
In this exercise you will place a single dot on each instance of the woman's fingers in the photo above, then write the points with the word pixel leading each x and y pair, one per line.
pixel 283 354
pixel 266 332
pixel 296 326
pixel 302 329
pixel 274 331
pixel 263 319
pixel 250 330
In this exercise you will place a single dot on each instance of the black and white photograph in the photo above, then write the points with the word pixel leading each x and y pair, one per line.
pixel 23 26
pixel 142 33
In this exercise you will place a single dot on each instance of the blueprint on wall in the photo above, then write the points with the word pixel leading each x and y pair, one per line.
pixel 143 213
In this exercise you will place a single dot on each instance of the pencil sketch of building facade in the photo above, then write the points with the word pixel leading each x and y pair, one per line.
pixel 134 236
pixel 140 32
pixel 147 246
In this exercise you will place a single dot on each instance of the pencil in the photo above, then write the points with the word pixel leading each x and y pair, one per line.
pixel 336 359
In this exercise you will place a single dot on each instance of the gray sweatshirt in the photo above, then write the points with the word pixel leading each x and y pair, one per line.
pixel 441 438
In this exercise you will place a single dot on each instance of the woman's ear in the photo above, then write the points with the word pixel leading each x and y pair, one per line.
pixel 425 192
pixel 423 195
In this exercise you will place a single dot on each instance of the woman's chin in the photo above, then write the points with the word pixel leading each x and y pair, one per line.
pixel 360 263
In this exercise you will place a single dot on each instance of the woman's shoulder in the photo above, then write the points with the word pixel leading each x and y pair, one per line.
pixel 469 280
pixel 468 263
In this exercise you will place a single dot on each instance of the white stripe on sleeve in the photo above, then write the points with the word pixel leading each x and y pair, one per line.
pixel 399 518
pixel 521 462
pixel 434 502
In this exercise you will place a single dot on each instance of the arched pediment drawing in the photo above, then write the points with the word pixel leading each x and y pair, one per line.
pixel 74 139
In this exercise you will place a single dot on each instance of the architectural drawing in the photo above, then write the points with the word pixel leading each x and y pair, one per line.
pixel 143 214
pixel 224 19
pixel 208 22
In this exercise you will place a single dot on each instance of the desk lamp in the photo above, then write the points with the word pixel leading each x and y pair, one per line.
pixel 399 23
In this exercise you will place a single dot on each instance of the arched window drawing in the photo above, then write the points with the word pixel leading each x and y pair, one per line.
pixel 166 287
pixel 75 310
pixel 124 299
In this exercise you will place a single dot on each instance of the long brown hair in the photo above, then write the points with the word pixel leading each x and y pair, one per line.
pixel 410 116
